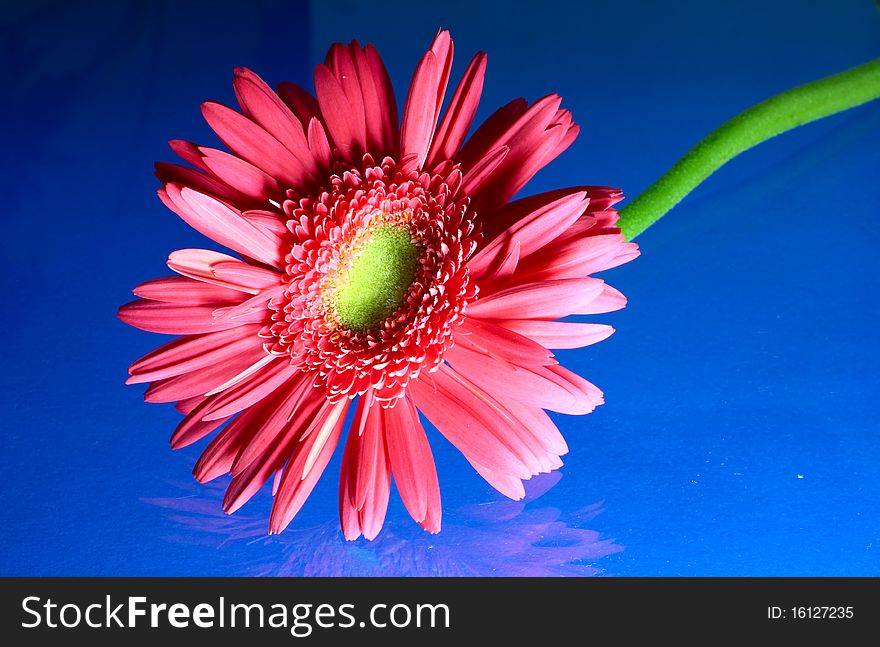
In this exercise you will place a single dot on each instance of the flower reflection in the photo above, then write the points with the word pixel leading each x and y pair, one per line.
pixel 501 538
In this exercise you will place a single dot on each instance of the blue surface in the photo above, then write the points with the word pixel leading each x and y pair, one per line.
pixel 741 431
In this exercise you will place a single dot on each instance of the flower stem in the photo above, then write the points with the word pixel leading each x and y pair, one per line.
pixel 759 123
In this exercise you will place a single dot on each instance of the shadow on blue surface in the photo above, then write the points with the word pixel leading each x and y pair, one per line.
pixel 497 538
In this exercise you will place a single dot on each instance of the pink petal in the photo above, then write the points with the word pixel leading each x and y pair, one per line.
pixel 529 432
pixel 536 422
pixel 191 353
pixel 349 516
pixel 534 230
pixel 278 438
pixel 198 383
pixel 485 138
pixel 374 118
pixel 247 277
pixel 341 63
pixel 579 257
pixel 408 165
pixel 188 152
pixel 412 463
pixel 419 114
pixel 529 156
pixel 224 225
pixel 443 49
pixel 378 107
pixel 482 172
pixel 508 124
pixel 172 318
pixel 302 104
pixel 221 269
pixel 269 220
pixel 459 116
pixel 252 310
pixel 489 338
pixel 507 427
pixel 345 123
pixel 468 422
pixel 500 264
pixel 319 144
pixel 249 141
pixel 527 384
pixel 372 515
pixel 297 408
pixel 202 182
pixel 582 389
pixel 192 428
pixel 220 453
pixel 368 427
pixel 262 105
pixel 559 334
pixel 252 388
pixel 541 300
pixel 500 221
pixel 385 98
pixel 509 485
pixel 608 301
pixel 248 482
pixel 425 98
pixel 183 290
pixel 187 405
pixel 242 176
pixel 364 482
pixel 535 135
pixel 297 482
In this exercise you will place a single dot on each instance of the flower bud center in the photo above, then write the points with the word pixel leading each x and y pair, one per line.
pixel 378 279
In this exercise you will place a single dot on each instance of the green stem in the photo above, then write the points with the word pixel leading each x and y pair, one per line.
pixel 769 118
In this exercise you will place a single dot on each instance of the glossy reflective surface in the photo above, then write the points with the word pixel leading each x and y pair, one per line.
pixel 740 434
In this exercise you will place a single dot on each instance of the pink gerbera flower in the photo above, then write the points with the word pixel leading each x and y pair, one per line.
pixel 381 265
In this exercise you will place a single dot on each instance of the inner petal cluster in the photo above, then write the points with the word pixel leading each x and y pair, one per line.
pixel 375 281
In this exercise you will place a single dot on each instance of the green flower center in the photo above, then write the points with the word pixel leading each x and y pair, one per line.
pixel 378 280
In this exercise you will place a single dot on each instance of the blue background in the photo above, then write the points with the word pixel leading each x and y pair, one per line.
pixel 741 431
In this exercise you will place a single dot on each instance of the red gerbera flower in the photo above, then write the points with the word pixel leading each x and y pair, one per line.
pixel 378 263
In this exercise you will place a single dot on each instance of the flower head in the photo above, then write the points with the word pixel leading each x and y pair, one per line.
pixel 380 265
